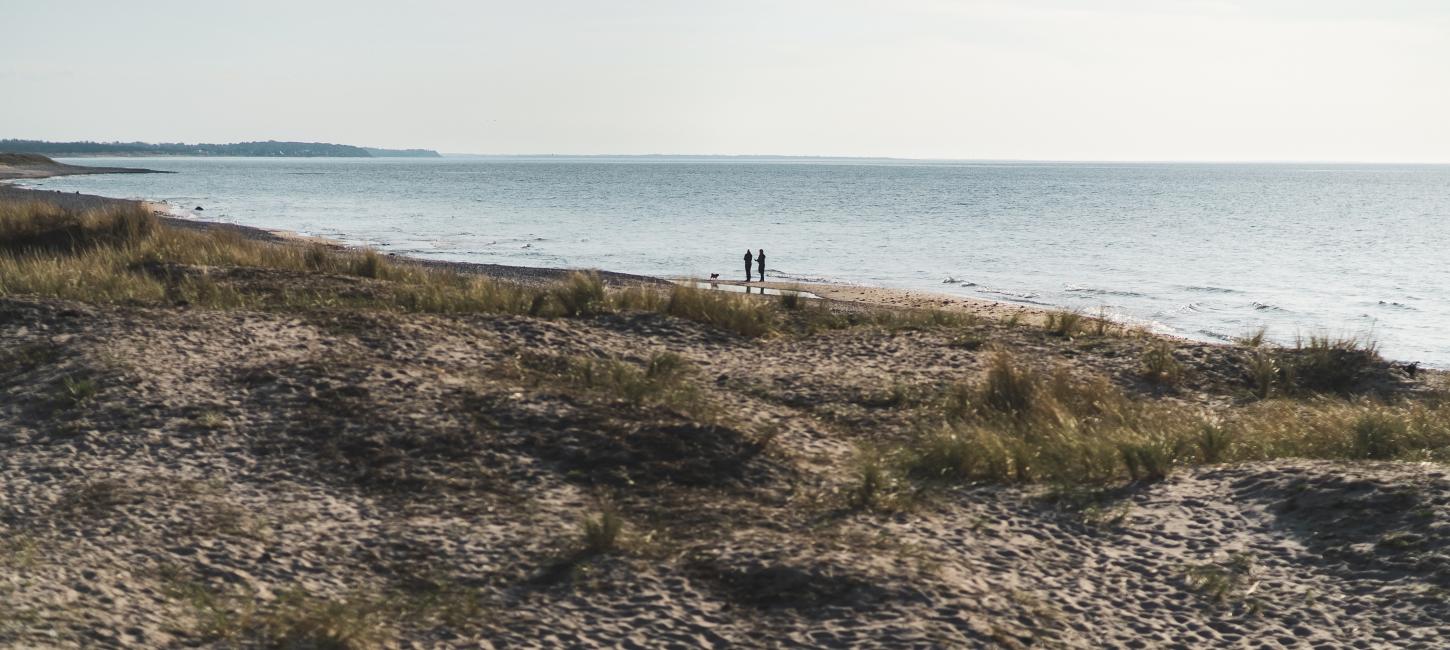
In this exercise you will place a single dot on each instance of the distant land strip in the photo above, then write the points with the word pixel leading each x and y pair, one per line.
pixel 269 148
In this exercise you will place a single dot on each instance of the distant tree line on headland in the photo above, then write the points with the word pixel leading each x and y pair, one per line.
pixel 268 148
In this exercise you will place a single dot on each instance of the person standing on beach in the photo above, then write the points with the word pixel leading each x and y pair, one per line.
pixel 747 265
pixel 761 259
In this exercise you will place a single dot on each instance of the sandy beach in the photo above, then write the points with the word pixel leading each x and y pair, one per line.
pixel 268 455
pixel 890 298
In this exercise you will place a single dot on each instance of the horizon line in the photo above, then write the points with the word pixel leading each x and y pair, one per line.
pixel 1273 161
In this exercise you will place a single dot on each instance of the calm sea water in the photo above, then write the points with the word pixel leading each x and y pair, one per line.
pixel 1207 251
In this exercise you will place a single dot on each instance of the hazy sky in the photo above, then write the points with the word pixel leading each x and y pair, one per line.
pixel 1028 79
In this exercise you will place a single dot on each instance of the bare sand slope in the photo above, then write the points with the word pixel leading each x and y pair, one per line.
pixel 29 166
pixel 179 477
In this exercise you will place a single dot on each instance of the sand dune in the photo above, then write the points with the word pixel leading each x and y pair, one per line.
pixel 179 474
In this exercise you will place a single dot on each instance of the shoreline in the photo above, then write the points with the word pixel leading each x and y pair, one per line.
pixel 880 297
pixel 856 296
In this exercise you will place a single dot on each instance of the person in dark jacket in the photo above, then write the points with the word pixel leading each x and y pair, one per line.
pixel 747 265
pixel 760 257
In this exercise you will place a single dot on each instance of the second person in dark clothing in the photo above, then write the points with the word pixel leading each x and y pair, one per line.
pixel 761 259
pixel 747 265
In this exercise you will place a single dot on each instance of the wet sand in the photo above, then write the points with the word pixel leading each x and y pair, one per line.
pixel 896 298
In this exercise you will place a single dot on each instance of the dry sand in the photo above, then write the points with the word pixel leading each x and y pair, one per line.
pixel 247 456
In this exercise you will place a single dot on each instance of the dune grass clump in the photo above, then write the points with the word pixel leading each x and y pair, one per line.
pixel 582 294
pixel 1215 443
pixel 811 318
pixel 369 264
pixel 36 228
pixel 955 453
pixel 301 620
pixel 1150 456
pixel 1009 387
pixel 75 391
pixel 1253 338
pixel 877 483
pixel 790 299
pixel 98 496
pixel 1327 364
pixel 1018 424
pixel 1319 364
pixel 918 319
pixel 1220 582
pixel 1263 373
pixel 294 619
pixel 1102 324
pixel 896 395
pixel 600 534
pixel 1380 436
pixel 1065 323
pixel 664 380
pixel 740 314
pixel 1160 367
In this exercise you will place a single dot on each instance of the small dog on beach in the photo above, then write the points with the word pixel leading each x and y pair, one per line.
pixel 714 276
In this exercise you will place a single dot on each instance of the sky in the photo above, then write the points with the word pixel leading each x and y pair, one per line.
pixel 1210 80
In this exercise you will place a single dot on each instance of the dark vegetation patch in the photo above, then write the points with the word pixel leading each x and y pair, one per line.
pixel 25 159
pixel 375 438
pixel 24 357
pixel 806 588
pixel 623 454
pixel 1335 365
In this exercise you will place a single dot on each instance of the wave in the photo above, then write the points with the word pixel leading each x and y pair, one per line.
pixel 1217 336
pixel 783 275
pixel 1013 296
pixel 1208 289
pixel 1396 305
pixel 964 283
pixel 1104 292
pixel 1263 306
pixel 1010 294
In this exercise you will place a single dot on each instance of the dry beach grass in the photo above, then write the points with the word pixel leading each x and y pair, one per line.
pixel 211 439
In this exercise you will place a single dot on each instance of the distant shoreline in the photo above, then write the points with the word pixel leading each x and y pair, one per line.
pixel 266 148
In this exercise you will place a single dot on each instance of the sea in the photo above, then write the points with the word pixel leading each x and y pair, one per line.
pixel 1204 251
